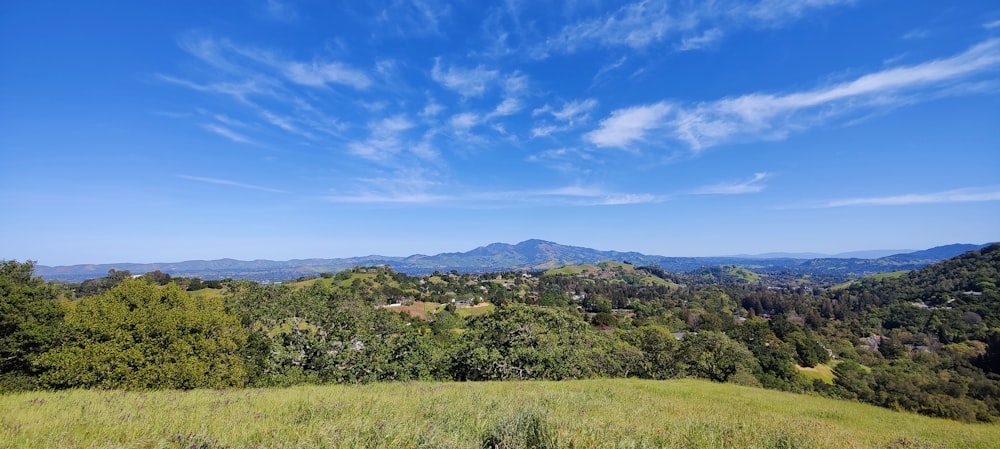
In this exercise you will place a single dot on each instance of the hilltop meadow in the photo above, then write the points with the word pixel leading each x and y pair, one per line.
pixel 599 355
pixel 599 413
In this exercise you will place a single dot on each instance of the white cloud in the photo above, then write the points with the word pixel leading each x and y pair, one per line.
pixel 767 116
pixel 376 198
pixel 992 25
pixel 915 35
pixel 704 40
pixel 239 91
pixel 762 116
pixel 413 17
pixel 544 130
pixel 627 125
pixel 606 69
pixel 227 120
pixel 508 106
pixel 227 133
pixel 775 12
pixel 229 183
pixel 570 115
pixel 574 195
pixel 321 74
pixel 634 25
pixel 465 120
pixel 690 25
pixel 432 109
pixel 950 196
pixel 384 139
pixel 281 122
pixel 409 185
pixel 625 199
pixel 466 82
pixel 753 185
pixel 280 11
pixel 575 111
pixel 514 85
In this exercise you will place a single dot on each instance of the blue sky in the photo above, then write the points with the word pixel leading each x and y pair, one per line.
pixel 279 129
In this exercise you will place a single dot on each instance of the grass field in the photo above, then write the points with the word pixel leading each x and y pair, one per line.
pixel 821 372
pixel 206 293
pixel 419 309
pixel 624 413
pixel 894 274
pixel 476 310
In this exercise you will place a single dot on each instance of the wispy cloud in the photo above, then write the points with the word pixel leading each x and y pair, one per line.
pixel 284 123
pixel 628 125
pixel 385 139
pixel 572 195
pixel 753 185
pixel 466 82
pixel 229 183
pixel 514 85
pixel 689 25
pixel 320 74
pixel 605 70
pixel 464 121
pixel 992 25
pixel 950 196
pixel 913 35
pixel 432 108
pixel 572 114
pixel 413 17
pixel 279 10
pixel 763 116
pixel 767 116
pixel 704 40
pixel 239 90
pixel 398 186
pixel 392 191
pixel 227 133
pixel 575 111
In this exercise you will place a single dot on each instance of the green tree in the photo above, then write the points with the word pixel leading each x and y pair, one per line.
pixel 713 355
pixel 29 319
pixel 142 336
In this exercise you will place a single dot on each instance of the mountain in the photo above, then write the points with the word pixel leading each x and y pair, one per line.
pixel 867 254
pixel 528 255
pixel 896 262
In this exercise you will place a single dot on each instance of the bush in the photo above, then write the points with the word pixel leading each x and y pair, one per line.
pixel 524 430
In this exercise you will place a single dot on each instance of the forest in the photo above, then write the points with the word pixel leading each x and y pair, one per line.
pixel 926 341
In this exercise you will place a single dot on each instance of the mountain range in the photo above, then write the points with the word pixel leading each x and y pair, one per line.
pixel 525 256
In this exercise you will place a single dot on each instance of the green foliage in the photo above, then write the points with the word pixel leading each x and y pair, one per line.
pixel 29 322
pixel 522 342
pixel 604 413
pixel 659 349
pixel 525 429
pixel 713 355
pixel 938 327
pixel 141 336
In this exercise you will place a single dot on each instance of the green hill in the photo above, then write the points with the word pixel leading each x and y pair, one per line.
pixel 623 413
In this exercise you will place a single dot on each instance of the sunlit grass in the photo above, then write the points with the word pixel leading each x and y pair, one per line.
pixel 582 414
pixel 821 372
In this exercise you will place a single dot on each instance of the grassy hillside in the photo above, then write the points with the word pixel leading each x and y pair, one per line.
pixel 583 414
pixel 879 276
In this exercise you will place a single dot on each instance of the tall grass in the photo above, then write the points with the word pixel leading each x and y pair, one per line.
pixel 622 413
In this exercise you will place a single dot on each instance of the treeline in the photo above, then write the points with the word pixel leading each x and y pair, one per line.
pixel 926 342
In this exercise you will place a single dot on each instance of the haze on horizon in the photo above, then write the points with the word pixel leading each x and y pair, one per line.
pixel 276 129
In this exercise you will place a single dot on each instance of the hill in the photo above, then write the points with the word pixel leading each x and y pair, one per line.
pixel 619 413
pixel 529 255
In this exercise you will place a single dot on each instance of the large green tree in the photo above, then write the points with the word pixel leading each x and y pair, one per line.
pixel 142 336
pixel 29 319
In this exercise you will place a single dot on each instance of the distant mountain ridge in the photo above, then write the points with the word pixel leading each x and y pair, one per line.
pixel 524 256
pixel 866 254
